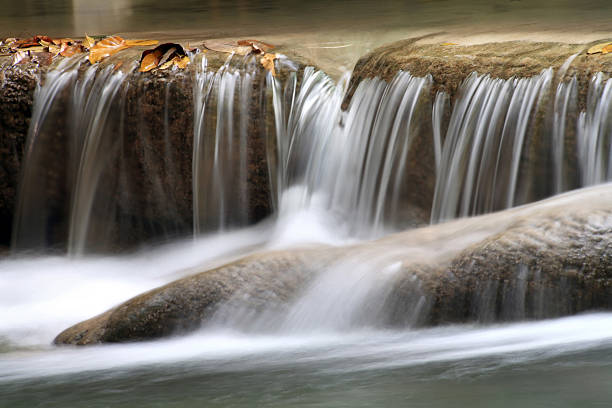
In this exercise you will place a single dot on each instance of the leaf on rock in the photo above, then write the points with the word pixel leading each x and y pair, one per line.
pixel 163 56
pixel 607 49
pixel 181 62
pixel 267 61
pixel 257 47
pixel 88 42
pixel 229 47
pixel 54 49
pixel 444 44
pixel 136 43
pixel 106 47
pixel 70 50
pixel 598 48
pixel 150 60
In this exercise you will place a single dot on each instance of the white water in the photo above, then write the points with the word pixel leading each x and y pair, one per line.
pixel 337 173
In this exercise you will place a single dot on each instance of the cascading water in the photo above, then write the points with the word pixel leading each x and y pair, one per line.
pixel 124 166
pixel 261 143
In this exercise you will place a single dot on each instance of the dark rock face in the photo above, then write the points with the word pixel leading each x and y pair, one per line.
pixel 16 95
pixel 545 260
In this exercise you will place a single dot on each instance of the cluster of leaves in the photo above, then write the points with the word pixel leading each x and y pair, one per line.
pixel 603 48
pixel 42 49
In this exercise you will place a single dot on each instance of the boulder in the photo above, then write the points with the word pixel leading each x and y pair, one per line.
pixel 547 259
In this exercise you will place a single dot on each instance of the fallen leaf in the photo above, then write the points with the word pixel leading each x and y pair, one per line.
pixel 182 62
pixel 71 50
pixel 89 42
pixel 596 49
pixel 259 47
pixel 607 49
pixel 229 47
pixel 267 61
pixel 37 48
pixel 135 43
pixel 150 60
pixel 117 66
pixel 106 47
pixel 54 49
pixel 60 41
pixel 162 56
pixel 448 43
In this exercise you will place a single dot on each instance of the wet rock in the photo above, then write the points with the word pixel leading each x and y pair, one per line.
pixel 449 65
pixel 17 87
pixel 184 304
pixel 549 259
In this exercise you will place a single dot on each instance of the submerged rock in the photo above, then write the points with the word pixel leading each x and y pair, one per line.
pixel 552 258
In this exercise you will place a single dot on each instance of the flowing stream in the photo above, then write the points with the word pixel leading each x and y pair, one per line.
pixel 333 176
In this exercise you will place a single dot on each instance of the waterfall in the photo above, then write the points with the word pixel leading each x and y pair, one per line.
pixel 353 163
pixel 484 144
pixel 115 157
pixel 595 133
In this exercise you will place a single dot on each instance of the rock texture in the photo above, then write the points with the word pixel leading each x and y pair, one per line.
pixel 450 64
pixel 144 191
pixel 16 97
pixel 551 258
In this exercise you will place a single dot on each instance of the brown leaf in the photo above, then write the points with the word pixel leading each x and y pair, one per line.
pixel 136 43
pixel 106 47
pixel 181 62
pixel 150 60
pixel 54 49
pixel 267 61
pixel 258 47
pixel 161 56
pixel 596 49
pixel 607 49
pixel 229 47
pixel 36 48
pixel 70 50
pixel 88 42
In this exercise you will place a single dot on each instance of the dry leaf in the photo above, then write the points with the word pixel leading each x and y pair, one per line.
pixel 448 43
pixel 267 61
pixel 182 62
pixel 258 47
pixel 89 42
pixel 106 47
pixel 150 60
pixel 596 49
pixel 70 50
pixel 54 49
pixel 37 48
pixel 163 56
pixel 136 43
pixel 229 47
pixel 607 49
